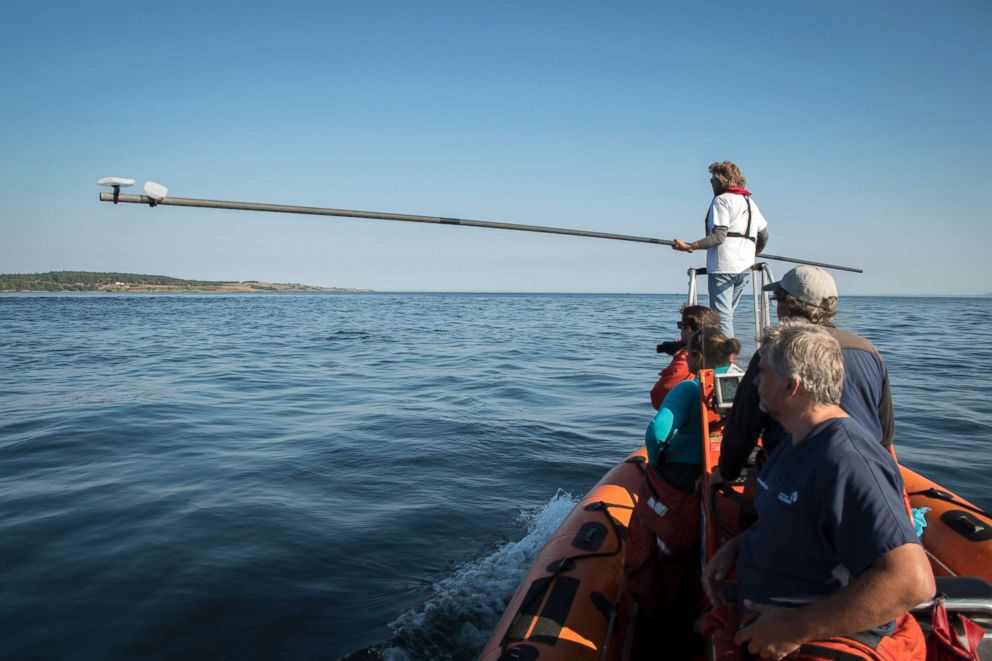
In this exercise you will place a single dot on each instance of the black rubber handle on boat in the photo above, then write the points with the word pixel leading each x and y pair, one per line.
pixel 937 494
pixel 410 218
pixel 727 490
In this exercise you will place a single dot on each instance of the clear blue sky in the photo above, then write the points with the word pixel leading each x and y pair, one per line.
pixel 863 129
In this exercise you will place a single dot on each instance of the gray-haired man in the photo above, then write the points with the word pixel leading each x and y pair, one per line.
pixel 810 294
pixel 833 553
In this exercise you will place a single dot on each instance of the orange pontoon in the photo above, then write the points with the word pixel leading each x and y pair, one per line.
pixel 571 605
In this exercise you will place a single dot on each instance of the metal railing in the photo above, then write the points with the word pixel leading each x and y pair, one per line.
pixel 761 275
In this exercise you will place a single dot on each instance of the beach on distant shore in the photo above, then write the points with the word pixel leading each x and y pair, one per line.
pixel 249 286
pixel 63 281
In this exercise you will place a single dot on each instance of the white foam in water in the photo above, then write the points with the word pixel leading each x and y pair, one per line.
pixel 462 609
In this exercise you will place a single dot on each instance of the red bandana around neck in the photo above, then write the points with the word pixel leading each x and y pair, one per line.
pixel 733 190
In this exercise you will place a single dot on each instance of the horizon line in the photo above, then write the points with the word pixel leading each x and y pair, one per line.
pixel 369 290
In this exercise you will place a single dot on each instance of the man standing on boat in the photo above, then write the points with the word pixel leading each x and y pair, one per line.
pixel 833 564
pixel 809 293
pixel 735 232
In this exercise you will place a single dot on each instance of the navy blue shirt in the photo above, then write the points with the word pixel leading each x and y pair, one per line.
pixel 828 508
pixel 865 397
pixel 865 378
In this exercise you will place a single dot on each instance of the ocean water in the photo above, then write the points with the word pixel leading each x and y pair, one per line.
pixel 302 476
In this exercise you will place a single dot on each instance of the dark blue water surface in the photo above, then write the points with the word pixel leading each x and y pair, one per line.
pixel 304 475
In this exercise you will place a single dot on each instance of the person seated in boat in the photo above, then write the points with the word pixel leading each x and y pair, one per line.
pixel 808 293
pixel 673 435
pixel 693 317
pixel 833 554
pixel 661 561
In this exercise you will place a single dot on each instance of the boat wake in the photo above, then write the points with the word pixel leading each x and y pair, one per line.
pixel 462 610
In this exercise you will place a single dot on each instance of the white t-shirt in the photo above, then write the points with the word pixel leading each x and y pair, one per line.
pixel 735 254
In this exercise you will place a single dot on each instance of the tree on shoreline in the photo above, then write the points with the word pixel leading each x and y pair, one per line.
pixel 89 281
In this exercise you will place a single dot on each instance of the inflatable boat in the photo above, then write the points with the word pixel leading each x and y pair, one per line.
pixel 572 604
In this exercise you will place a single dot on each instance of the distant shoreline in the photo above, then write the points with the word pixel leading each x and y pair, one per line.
pixel 87 281
pixel 233 288
pixel 59 282
pixel 183 290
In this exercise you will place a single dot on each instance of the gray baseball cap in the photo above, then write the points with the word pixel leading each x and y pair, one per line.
pixel 809 284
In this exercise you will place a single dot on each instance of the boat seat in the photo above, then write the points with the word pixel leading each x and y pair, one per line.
pixel 963 594
pixel 970 596
pixel 964 587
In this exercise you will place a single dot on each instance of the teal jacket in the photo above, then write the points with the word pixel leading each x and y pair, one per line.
pixel 678 419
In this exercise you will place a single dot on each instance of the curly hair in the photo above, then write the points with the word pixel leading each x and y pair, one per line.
pixel 726 174
pixel 814 314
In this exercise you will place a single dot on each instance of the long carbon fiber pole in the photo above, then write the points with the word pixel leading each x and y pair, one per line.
pixel 437 220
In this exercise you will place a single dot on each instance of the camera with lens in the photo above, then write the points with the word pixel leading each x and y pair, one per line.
pixel 670 347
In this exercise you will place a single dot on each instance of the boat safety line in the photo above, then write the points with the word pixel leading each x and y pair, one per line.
pixel 411 218
pixel 935 559
pixel 565 563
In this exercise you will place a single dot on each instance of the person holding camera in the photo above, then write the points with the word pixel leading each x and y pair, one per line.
pixel 661 554
pixel 693 318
